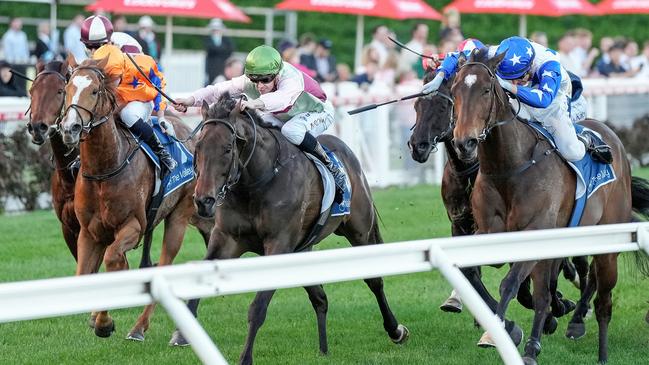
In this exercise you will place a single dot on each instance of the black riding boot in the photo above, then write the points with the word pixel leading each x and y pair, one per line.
pixel 600 152
pixel 143 130
pixel 311 145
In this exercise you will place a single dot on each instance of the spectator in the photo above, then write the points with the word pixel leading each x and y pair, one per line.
pixel 307 45
pixel 379 43
pixel 344 72
pixel 614 68
pixel 641 62
pixel 387 74
pixel 46 47
pixel 630 52
pixel 14 43
pixel 540 38
pixel 290 54
pixel 146 37
pixel 72 39
pixel 369 54
pixel 233 68
pixel 450 24
pixel 584 54
pixel 9 86
pixel 120 24
pixel 419 39
pixel 219 48
pixel 566 46
pixel 367 78
pixel 322 61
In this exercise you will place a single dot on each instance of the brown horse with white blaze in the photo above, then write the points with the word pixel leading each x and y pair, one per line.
pixel 265 196
pixel 524 185
pixel 115 185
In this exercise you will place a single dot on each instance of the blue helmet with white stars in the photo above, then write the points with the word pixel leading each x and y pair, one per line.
pixel 519 55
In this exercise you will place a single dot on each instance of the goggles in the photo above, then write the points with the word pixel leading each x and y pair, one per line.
pixel 264 79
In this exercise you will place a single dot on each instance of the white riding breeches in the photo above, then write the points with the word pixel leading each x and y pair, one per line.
pixel 135 110
pixel 556 118
pixel 315 123
pixel 578 109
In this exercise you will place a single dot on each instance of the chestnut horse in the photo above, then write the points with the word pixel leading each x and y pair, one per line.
pixel 46 105
pixel 265 196
pixel 115 185
pixel 515 192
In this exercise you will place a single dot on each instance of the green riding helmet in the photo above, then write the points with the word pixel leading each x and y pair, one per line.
pixel 263 60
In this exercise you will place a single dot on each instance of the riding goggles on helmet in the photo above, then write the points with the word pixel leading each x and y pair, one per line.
pixel 264 79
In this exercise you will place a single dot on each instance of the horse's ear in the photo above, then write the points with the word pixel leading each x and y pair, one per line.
pixel 495 61
pixel 204 109
pixel 40 65
pixel 461 59
pixel 102 63
pixel 71 61
pixel 65 68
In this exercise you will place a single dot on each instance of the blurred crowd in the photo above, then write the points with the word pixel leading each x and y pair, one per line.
pixel 382 64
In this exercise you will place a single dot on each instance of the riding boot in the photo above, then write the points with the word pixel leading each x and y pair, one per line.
pixel 311 145
pixel 145 132
pixel 600 152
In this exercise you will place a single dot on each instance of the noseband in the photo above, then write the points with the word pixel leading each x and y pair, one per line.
pixel 490 122
pixel 93 122
pixel 236 166
pixel 54 128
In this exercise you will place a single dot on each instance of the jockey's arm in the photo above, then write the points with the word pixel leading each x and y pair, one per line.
pixel 288 90
pixel 542 95
pixel 211 93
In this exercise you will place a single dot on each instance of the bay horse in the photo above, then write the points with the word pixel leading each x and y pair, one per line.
pixel 46 106
pixel 115 185
pixel 516 192
pixel 265 197
pixel 434 124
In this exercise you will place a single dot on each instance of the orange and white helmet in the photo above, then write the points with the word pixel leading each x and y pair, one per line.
pixel 96 30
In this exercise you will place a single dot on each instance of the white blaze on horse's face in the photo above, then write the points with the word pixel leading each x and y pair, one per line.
pixel 470 79
pixel 80 83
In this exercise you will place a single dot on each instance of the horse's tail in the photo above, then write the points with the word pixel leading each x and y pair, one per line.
pixel 376 232
pixel 640 205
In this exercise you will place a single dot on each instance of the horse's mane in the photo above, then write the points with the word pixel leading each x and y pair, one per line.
pixel 226 104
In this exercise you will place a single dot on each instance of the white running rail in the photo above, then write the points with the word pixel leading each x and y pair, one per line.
pixel 171 285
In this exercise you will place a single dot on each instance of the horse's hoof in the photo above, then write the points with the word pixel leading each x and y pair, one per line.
pixel 550 325
pixel 575 331
pixel 403 332
pixel 105 331
pixel 451 305
pixel 177 339
pixel 135 336
pixel 516 334
pixel 486 341
pixel 91 320
pixel 529 361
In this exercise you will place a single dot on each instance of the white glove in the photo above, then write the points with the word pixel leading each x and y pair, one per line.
pixel 167 127
pixel 434 84
pixel 252 104
pixel 507 85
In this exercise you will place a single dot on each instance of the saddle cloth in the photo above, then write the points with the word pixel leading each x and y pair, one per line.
pixel 591 174
pixel 184 171
pixel 330 187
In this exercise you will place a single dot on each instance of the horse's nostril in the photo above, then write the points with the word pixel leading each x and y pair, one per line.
pixel 42 127
pixel 209 201
pixel 423 145
pixel 76 128
pixel 472 143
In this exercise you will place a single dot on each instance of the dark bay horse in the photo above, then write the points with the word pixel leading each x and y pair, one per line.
pixel 46 105
pixel 265 197
pixel 115 185
pixel 509 197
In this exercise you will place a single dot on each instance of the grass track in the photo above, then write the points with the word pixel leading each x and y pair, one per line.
pixel 32 247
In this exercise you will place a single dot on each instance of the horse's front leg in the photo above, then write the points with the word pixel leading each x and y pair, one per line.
pixel 541 278
pixel 115 260
pixel 89 255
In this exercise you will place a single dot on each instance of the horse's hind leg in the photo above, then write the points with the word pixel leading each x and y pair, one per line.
pixel 174 232
pixel 318 299
pixel 542 278
pixel 360 233
pixel 576 327
pixel 606 272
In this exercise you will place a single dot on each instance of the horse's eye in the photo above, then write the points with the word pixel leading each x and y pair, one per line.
pixel 60 91
pixel 487 91
pixel 95 92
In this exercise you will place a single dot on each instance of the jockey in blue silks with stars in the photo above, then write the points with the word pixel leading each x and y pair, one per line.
pixel 533 73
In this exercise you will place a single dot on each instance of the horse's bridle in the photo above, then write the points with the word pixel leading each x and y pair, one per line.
pixel 490 123
pixel 236 165
pixel 54 127
pixel 449 129
pixel 93 122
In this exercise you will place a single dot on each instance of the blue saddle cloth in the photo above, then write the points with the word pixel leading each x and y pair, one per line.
pixel 591 174
pixel 345 206
pixel 184 171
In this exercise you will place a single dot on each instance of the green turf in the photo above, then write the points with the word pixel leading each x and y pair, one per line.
pixel 32 248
